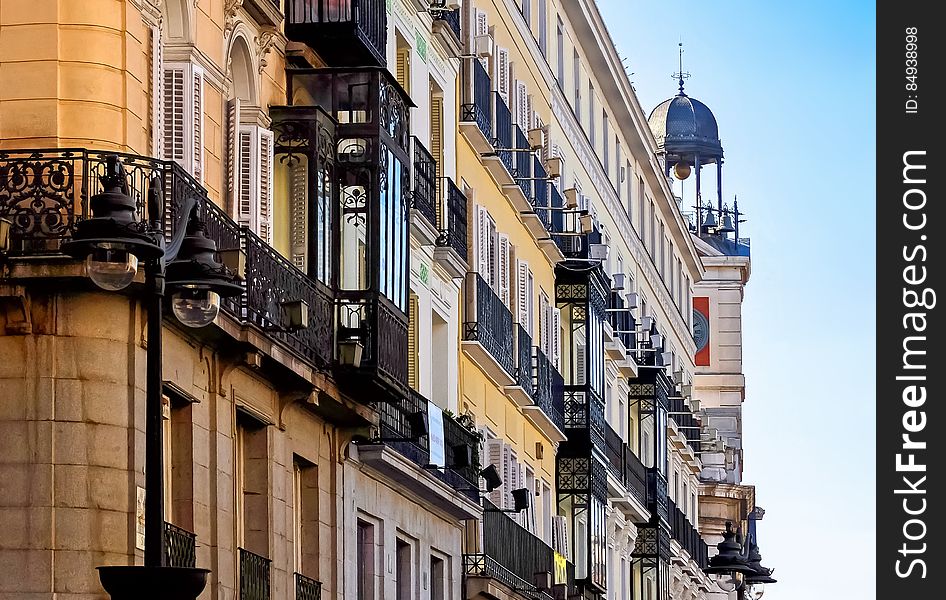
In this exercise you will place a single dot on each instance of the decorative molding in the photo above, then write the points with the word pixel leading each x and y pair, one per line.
pixel 265 41
pixel 230 8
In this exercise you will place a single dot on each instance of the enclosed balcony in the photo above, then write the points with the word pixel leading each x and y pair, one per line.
pixel 625 465
pixel 487 331
pixel 369 221
pixel 344 33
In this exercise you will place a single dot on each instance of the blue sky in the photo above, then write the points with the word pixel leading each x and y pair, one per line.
pixel 792 87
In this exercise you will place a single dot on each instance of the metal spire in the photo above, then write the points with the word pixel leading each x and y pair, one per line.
pixel 681 75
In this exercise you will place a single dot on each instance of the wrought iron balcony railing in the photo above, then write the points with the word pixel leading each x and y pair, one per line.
pixel 502 132
pixel 307 588
pixel 687 535
pixel 524 377
pixel 451 218
pixel 689 425
pixel 510 553
pixel 478 106
pixel 424 183
pixel 180 547
pixel 254 576
pixel 452 20
pixel 540 196
pixel 523 172
pixel 372 319
pixel 625 465
pixel 622 321
pixel 549 389
pixel 345 33
pixel 553 219
pixel 489 322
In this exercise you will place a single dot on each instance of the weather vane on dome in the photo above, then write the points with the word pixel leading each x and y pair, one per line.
pixel 681 75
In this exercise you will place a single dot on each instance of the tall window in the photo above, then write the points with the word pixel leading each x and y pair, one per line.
pixel 253 483
pixel 438 576
pixel 591 114
pixel 182 116
pixel 560 40
pixel 365 561
pixel 543 27
pixel 403 571
pixel 606 140
pixel 576 80
pixel 305 516
pixel 527 12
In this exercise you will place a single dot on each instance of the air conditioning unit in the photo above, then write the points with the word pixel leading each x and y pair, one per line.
pixel 553 167
pixel 598 251
pixel 632 299
pixel 666 358
pixel 571 198
pixel 483 46
pixel 647 323
pixel 617 282
pixel 686 390
pixel 678 376
pixel 656 341
pixel 537 138
pixel 586 223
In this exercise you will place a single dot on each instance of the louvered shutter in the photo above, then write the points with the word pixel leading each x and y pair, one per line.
pixel 412 347
pixel 483 243
pixel 544 323
pixel 403 68
pixel 156 98
pixel 581 364
pixel 502 74
pixel 522 105
pixel 233 121
pixel 174 115
pixel 503 269
pixel 265 170
pixel 197 123
pixel 496 457
pixel 482 29
pixel 436 134
pixel 522 295
pixel 299 214
pixel 529 479
pixel 555 339
pixel 247 207
pixel 510 475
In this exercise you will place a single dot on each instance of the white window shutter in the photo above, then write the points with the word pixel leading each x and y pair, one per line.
pixel 581 364
pixel 157 96
pixel 502 75
pixel 514 480
pixel 522 295
pixel 555 339
pixel 247 207
pixel 299 203
pixel 233 123
pixel 522 105
pixel 265 170
pixel 544 322
pixel 481 29
pixel 506 475
pixel 197 123
pixel 503 269
pixel 483 243
pixel 495 457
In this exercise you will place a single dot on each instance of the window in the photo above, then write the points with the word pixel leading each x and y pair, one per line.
pixel 619 175
pixel 503 70
pixel 366 561
pixel 560 39
pixel 543 27
pixel 576 62
pixel 178 460
pixel 252 463
pixel 591 114
pixel 402 574
pixel 403 58
pixel 438 577
pixel 305 516
pixel 629 176
pixel 436 127
pixel 547 514
pixel 525 296
pixel 182 116
pixel 527 12
pixel 606 140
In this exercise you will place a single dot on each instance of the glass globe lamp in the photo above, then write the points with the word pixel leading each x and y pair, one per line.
pixel 727 582
pixel 195 306
pixel 111 266
pixel 681 170
pixel 755 591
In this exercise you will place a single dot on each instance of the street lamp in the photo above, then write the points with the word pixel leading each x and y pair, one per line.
pixel 729 565
pixel 755 581
pixel 113 244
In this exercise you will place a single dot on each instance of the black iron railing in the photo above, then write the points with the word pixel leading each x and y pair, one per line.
pixel 686 534
pixel 515 548
pixel 374 320
pixel 489 322
pixel 308 588
pixel 502 132
pixel 689 425
pixel 614 450
pixel 622 321
pixel 540 184
pixel 424 193
pixel 254 576
pixel 524 377
pixel 635 475
pixel 451 18
pixel 451 218
pixel 523 171
pixel 180 547
pixel 332 25
pixel 554 219
pixel 478 107
pixel 549 389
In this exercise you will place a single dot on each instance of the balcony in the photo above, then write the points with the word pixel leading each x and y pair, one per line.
pixel 344 33
pixel 487 332
pixel 453 486
pixel 180 547
pixel 451 248
pixel 448 21
pixel 687 535
pixel 476 112
pixel 307 589
pixel 548 412
pixel 523 388
pixel 424 193
pixel 512 556
pixel 254 576
pixel 689 425
pixel 500 161
pixel 625 466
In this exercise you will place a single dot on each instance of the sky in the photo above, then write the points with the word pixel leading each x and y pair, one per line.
pixel 792 88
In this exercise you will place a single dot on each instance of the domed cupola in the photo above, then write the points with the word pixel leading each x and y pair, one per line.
pixel 684 126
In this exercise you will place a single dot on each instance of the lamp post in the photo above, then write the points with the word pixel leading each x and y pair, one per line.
pixel 737 566
pixel 113 243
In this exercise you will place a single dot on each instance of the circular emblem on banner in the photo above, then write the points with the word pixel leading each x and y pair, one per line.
pixel 700 330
